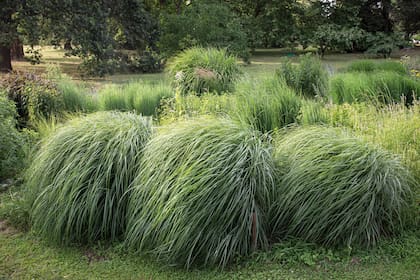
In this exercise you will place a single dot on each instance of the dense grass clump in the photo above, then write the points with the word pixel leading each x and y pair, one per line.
pixel 386 87
pixel 370 66
pixel 199 70
pixel 11 141
pixel 309 77
pixel 142 98
pixel 202 194
pixel 267 104
pixel 78 180
pixel 337 189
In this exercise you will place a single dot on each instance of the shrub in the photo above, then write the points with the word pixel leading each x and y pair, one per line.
pixel 199 70
pixel 267 104
pixel 202 193
pixel 370 66
pixel 308 77
pixel 386 87
pixel 11 142
pixel 190 28
pixel 78 179
pixel 33 95
pixel 145 99
pixel 337 189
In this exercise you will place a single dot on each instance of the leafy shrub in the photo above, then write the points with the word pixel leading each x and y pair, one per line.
pixel 308 77
pixel 199 70
pixel 191 29
pixel 382 44
pixel 370 66
pixel 386 87
pixel 337 189
pixel 11 142
pixel 145 99
pixel 33 95
pixel 78 179
pixel 201 194
pixel 267 104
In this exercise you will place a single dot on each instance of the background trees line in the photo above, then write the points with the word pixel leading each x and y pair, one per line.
pixel 137 35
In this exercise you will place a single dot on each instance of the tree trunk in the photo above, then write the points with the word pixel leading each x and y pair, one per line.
pixel 67 45
pixel 5 59
pixel 17 50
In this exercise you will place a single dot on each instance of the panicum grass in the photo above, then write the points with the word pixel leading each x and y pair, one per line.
pixel 77 181
pixel 200 70
pixel 338 190
pixel 267 104
pixel 370 66
pixel 142 98
pixel 202 194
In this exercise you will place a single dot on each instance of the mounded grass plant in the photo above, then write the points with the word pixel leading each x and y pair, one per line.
pixel 77 182
pixel 267 104
pixel 142 98
pixel 202 193
pixel 201 70
pixel 336 189
pixel 385 87
pixel 370 66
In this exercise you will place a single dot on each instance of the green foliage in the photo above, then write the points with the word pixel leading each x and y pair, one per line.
pixel 199 70
pixel 313 112
pixel 382 44
pixel 202 193
pixel 385 86
pixel 77 182
pixel 337 189
pixel 370 66
pixel 11 141
pixel 34 96
pixel 190 28
pixel 309 77
pixel 267 104
pixel 142 98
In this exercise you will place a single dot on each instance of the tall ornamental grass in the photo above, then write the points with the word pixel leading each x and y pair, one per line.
pixel 200 70
pixel 384 87
pixel 336 189
pixel 202 193
pixel 77 182
pixel 308 77
pixel 267 104
pixel 370 66
pixel 142 98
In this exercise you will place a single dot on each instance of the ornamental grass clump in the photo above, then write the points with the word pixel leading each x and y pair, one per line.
pixel 200 70
pixel 77 182
pixel 336 189
pixel 202 193
pixel 267 104
pixel 370 66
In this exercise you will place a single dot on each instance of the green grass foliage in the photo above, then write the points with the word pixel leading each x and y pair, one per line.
pixel 202 193
pixel 267 104
pixel 142 98
pixel 309 77
pixel 78 179
pixel 11 141
pixel 338 190
pixel 370 66
pixel 200 70
pixel 385 86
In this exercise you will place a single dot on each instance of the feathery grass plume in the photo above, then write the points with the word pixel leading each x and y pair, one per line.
pixel 337 189
pixel 267 104
pixel 77 182
pixel 384 87
pixel 370 66
pixel 203 192
pixel 143 98
pixel 200 70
